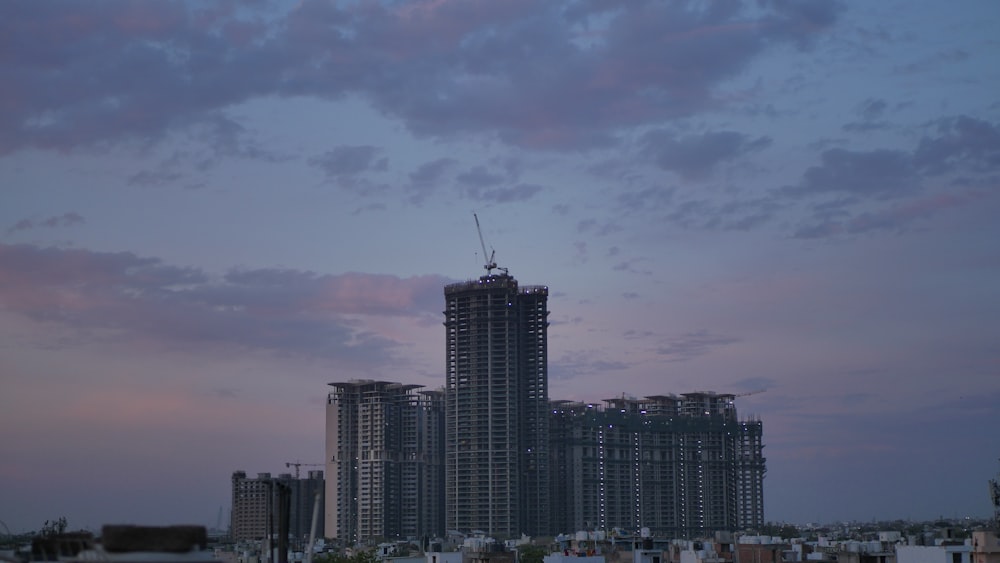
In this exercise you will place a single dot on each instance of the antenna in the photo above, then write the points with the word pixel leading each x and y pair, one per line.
pixel 490 264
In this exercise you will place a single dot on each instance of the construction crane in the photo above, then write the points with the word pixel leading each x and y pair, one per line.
pixel 490 264
pixel 748 393
pixel 298 464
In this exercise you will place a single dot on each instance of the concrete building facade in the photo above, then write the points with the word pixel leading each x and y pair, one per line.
pixel 257 503
pixel 496 395
pixel 674 464
pixel 384 446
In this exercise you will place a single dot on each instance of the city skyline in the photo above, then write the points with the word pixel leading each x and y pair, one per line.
pixel 211 210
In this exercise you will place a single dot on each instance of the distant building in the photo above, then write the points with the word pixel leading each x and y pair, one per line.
pixel 256 504
pixel 384 446
pixel 682 466
pixel 491 454
pixel 497 421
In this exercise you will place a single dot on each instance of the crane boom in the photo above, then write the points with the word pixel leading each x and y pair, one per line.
pixel 298 464
pixel 490 264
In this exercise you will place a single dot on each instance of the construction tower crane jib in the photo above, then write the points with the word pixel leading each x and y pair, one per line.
pixel 490 264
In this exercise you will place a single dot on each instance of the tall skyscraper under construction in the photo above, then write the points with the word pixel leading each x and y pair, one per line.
pixel 384 446
pixel 496 406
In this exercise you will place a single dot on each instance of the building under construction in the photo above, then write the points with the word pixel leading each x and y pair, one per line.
pixel 682 466
pixel 270 506
pixel 497 419
pixel 385 447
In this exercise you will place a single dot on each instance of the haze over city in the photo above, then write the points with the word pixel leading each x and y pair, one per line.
pixel 210 210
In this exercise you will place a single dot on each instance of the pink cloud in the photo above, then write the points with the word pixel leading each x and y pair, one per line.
pixel 367 293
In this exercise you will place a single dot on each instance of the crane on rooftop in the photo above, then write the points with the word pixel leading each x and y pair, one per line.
pixel 298 464
pixel 490 263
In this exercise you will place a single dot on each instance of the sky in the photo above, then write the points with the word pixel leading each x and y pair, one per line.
pixel 209 211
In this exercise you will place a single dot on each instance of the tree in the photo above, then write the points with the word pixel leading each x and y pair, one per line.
pixel 54 527
pixel 529 553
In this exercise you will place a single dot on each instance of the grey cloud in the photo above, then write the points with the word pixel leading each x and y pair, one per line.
pixel 281 311
pixel 963 150
pixel 647 198
pixel 65 220
pixel 480 176
pixel 349 161
pixel 864 126
pixel 818 230
pixel 591 226
pixel 895 218
pixel 21 225
pixel 963 142
pixel 576 363
pixel 425 179
pixel 879 173
pixel 154 178
pixel 431 172
pixel 347 166
pixel 732 215
pixel 95 73
pixel 872 109
pixel 696 156
pixel 693 344
pixel 801 20
pixel 520 192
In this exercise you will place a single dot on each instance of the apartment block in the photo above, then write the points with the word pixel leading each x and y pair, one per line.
pixel 673 464
pixel 384 444
pixel 257 504
pixel 497 422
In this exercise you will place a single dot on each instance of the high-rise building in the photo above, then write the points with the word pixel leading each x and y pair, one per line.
pixel 384 445
pixel 257 504
pixel 750 469
pixel 682 466
pixel 496 413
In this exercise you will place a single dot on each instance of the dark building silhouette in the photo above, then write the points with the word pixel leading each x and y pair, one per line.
pixel 385 447
pixel 496 414
pixel 491 453
pixel 257 503
pixel 682 466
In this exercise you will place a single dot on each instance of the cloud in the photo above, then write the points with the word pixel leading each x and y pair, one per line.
pixel 870 111
pixel 963 143
pixel 65 220
pixel 692 345
pixel 481 176
pixel 731 215
pixel 957 151
pixel 531 73
pixel 425 179
pixel 647 198
pixel 576 364
pixel 696 156
pixel 265 309
pixel 349 161
pixel 519 192
pixel 880 173
pixel 346 165
pixel 895 218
